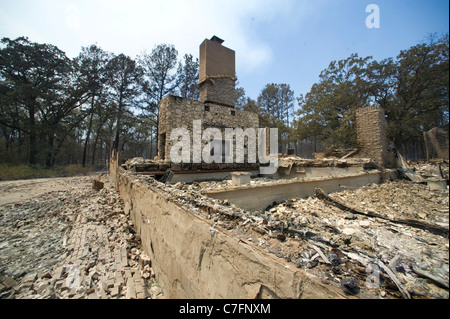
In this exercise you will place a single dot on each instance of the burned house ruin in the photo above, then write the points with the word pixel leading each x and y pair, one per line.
pixel 214 232
pixel 214 110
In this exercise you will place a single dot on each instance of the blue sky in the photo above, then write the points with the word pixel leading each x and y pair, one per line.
pixel 279 41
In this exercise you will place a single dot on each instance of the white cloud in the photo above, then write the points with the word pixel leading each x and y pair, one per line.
pixel 73 16
pixel 252 55
pixel 134 25
pixel 131 26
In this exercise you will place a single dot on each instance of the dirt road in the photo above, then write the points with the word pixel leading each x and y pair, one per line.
pixel 23 190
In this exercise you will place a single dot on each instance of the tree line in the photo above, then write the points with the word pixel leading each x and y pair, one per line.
pixel 54 109
pixel 413 90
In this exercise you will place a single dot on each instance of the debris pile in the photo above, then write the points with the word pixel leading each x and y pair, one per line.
pixel 326 162
pixel 378 241
pixel 74 243
pixel 431 169
pixel 396 260
pixel 367 250
pixel 336 153
pixel 139 164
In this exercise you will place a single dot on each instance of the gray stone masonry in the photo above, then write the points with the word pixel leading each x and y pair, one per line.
pixel 219 90
pixel 177 112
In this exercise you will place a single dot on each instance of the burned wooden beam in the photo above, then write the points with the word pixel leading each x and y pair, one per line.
pixel 435 229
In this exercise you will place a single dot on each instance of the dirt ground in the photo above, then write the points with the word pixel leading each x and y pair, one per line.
pixel 60 238
pixel 21 190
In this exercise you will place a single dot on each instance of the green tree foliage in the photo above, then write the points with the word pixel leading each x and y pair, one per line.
pixel 40 95
pixel 188 78
pixel 275 105
pixel 92 63
pixel 250 106
pixel 412 89
pixel 54 107
pixel 162 77
pixel 241 99
pixel 160 74
pixel 328 110
pixel 124 79
pixel 420 100
pixel 244 102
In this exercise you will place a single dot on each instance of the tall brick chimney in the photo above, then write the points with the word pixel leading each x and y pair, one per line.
pixel 217 73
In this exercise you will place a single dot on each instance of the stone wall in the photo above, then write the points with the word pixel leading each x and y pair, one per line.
pixel 177 112
pixel 219 90
pixel 371 128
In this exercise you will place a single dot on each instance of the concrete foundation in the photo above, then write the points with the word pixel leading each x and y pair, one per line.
pixel 258 197
pixel 313 172
pixel 193 259
pixel 240 178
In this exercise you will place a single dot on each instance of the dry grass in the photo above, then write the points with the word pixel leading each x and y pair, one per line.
pixel 14 172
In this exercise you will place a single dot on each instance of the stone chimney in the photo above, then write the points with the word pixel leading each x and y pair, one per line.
pixel 371 127
pixel 217 73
